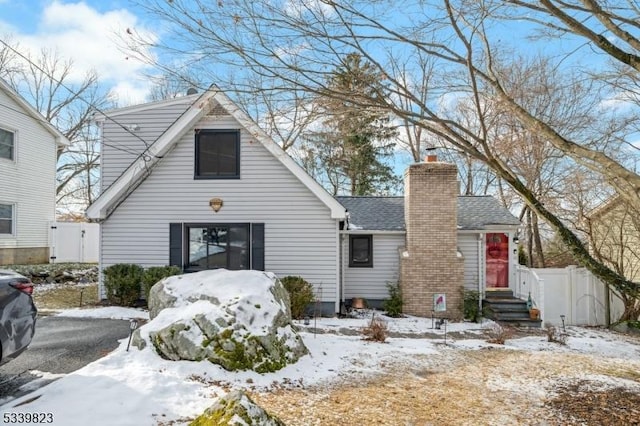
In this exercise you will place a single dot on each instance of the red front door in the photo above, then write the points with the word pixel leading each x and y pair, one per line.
pixel 497 255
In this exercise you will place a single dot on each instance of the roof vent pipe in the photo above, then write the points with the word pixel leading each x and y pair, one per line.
pixel 191 91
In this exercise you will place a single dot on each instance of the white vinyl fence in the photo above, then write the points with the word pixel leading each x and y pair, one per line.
pixel 74 242
pixel 572 292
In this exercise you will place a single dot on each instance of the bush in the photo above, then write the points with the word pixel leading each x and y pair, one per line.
pixel 499 334
pixel 300 294
pixel 376 330
pixel 470 308
pixel 554 335
pixel 156 273
pixel 393 305
pixel 123 283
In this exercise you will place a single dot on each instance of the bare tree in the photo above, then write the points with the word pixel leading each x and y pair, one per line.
pixel 46 81
pixel 296 43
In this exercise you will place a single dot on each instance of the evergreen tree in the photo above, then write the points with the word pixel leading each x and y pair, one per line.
pixel 347 154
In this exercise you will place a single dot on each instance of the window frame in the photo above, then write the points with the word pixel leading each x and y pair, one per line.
pixel 12 220
pixel 186 251
pixel 14 133
pixel 353 263
pixel 196 169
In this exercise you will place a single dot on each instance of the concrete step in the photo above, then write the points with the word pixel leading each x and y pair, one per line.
pixel 508 310
pixel 520 322
pixel 499 294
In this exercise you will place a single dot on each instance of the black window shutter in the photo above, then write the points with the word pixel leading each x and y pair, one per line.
pixel 257 246
pixel 175 245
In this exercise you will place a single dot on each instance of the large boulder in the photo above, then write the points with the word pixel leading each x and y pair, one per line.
pixel 236 408
pixel 240 320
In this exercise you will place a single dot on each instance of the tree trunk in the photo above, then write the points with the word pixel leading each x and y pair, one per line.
pixel 580 253
pixel 540 262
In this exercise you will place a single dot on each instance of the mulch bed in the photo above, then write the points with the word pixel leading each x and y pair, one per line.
pixel 579 403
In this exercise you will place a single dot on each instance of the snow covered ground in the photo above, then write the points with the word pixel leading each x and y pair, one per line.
pixel 140 388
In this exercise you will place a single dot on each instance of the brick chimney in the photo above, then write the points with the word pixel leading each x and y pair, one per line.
pixel 429 264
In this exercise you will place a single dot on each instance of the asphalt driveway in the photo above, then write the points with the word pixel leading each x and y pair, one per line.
pixel 60 346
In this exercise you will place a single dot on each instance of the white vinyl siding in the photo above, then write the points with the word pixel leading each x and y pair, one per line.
pixel 468 246
pixel 28 180
pixel 371 283
pixel 126 137
pixel 300 236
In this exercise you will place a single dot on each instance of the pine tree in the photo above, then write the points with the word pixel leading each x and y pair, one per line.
pixel 348 152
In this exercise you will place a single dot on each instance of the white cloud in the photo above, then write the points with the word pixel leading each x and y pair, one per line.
pixel 89 38
pixel 620 101
pixel 298 8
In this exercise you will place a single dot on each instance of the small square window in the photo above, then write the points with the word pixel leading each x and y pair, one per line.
pixel 361 251
pixel 7 144
pixel 217 154
pixel 6 219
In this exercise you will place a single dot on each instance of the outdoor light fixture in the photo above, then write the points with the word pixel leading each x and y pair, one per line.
pixel 564 330
pixel 133 324
pixel 516 239
pixel 216 204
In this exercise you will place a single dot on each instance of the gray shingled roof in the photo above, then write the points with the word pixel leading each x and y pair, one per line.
pixel 387 213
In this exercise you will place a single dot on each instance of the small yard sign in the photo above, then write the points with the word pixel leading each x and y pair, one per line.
pixel 439 302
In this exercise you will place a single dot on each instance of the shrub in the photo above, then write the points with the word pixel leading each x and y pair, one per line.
pixel 633 324
pixel 122 282
pixel 300 294
pixel 499 334
pixel 393 305
pixel 470 308
pixel 376 330
pixel 156 273
pixel 554 335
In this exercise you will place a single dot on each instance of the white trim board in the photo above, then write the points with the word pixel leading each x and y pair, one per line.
pixel 138 171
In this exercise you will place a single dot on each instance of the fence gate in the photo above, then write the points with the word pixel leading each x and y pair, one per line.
pixel 74 242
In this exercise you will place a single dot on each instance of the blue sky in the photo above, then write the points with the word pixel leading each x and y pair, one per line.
pixel 84 31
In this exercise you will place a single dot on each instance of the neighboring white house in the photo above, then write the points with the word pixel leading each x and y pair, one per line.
pixel 194 182
pixel 28 157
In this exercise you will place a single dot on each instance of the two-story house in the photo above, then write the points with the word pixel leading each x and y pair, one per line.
pixel 28 155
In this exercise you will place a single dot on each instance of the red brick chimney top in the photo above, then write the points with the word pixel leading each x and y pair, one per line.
pixel 431 158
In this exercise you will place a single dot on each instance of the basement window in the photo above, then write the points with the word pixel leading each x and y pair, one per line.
pixel 361 251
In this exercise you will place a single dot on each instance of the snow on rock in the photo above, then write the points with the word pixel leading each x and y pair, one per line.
pixel 236 408
pixel 240 320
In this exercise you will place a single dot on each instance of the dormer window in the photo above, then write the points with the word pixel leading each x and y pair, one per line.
pixel 217 154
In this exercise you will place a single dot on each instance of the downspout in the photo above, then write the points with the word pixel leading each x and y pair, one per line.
pixel 102 293
pixel 607 305
pixel 480 273
pixel 339 284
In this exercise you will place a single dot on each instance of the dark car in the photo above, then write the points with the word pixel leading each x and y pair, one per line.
pixel 17 314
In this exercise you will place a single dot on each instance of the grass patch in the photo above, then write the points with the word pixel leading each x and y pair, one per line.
pixel 622 373
pixel 66 296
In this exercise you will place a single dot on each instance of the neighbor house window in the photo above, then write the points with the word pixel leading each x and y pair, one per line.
pixel 7 143
pixel 217 154
pixel 6 219
pixel 361 251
